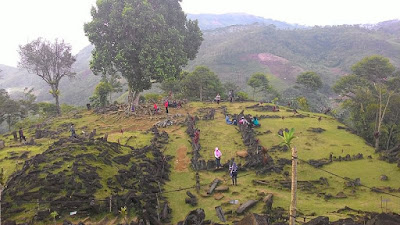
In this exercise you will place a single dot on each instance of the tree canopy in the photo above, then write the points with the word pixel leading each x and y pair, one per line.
pixel 373 68
pixel 371 94
pixel 144 40
pixel 259 82
pixel 50 61
pixel 202 83
pixel 309 80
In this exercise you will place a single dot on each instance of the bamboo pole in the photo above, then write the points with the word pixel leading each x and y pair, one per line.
pixel 293 201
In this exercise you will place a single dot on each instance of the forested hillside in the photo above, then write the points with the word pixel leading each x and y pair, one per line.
pixel 236 52
pixel 214 21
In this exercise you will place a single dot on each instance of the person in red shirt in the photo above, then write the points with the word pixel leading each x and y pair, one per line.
pixel 166 106
pixel 155 108
pixel 196 136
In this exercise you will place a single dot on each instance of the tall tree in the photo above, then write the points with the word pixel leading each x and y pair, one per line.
pixel 309 80
pixel 145 40
pixel 49 61
pixel 368 94
pixel 10 110
pixel 259 82
pixel 102 91
pixel 202 83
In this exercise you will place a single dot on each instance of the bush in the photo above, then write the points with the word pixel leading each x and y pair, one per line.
pixel 152 97
pixel 47 109
pixel 242 96
pixel 68 108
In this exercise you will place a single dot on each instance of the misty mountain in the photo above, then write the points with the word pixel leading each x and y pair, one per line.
pixel 236 52
pixel 214 21
pixel 73 91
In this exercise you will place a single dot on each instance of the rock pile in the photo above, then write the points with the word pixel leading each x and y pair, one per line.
pixel 66 178
pixel 257 157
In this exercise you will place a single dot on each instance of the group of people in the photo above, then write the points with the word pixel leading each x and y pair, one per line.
pixel 233 168
pixel 253 121
pixel 230 96
pixel 167 104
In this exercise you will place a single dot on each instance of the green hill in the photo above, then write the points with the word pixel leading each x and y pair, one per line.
pixel 236 52
pixel 64 174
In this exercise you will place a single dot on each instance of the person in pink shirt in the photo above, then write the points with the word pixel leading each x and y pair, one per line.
pixel 218 154
pixel 166 106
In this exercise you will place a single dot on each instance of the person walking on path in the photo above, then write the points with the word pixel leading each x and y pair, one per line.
pixel 218 98
pixel 218 154
pixel 72 129
pixel 21 135
pixel 233 172
pixel 166 106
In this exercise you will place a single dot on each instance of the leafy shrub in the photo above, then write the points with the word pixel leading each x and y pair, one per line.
pixel 242 96
pixel 152 97
pixel 47 109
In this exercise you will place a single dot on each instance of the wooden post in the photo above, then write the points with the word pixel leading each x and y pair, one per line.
pixel 110 203
pixel 158 208
pixel 293 202
pixel 1 190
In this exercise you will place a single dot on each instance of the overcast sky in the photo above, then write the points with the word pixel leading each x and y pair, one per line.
pixel 25 20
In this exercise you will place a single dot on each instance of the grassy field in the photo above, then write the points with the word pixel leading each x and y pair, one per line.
pixel 216 133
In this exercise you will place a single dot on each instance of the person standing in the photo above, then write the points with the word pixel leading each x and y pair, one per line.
pixel 72 129
pixel 231 95
pixel 166 105
pixel 21 135
pixel 217 154
pixel 218 98
pixel 197 136
pixel 233 172
pixel 155 108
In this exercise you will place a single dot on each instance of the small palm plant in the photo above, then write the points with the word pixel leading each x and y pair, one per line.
pixel 54 215
pixel 124 213
pixel 287 138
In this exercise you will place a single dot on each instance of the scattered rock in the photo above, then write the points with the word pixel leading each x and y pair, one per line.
pixel 321 220
pixel 384 219
pixel 253 219
pixel 195 217
pixel 2 144
pixel 222 189
pixel 213 186
pixel 268 200
pixel 341 195
pixel 316 130
pixel 220 213
pixel 242 154
pixel 384 177
pixel 218 196
pixel 245 206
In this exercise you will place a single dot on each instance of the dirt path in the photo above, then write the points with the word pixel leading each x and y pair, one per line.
pixel 182 162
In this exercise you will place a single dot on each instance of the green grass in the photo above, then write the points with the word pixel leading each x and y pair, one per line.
pixel 217 133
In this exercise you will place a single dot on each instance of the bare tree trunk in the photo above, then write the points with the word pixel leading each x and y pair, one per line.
pixel 133 100
pixel 389 137
pixel 1 190
pixel 293 201
pixel 57 104
pixel 201 93
pixel 381 114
